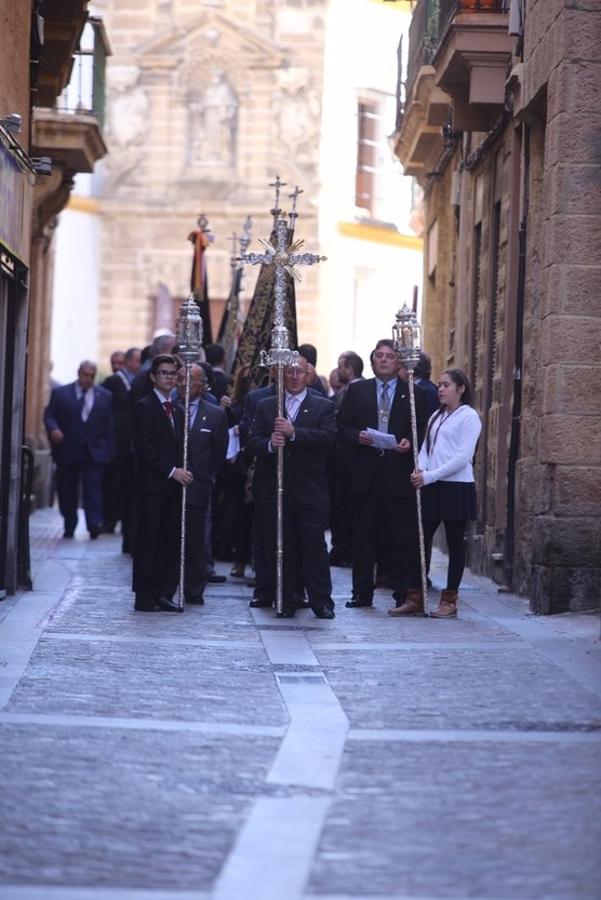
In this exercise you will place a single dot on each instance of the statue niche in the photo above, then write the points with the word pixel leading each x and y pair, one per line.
pixel 213 125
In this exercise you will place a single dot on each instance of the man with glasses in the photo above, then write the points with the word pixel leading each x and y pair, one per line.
pixel 158 439
pixel 306 432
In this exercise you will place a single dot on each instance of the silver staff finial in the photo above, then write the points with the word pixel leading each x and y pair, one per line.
pixel 294 197
pixel 247 231
pixel 203 224
pixel 234 256
pixel 277 184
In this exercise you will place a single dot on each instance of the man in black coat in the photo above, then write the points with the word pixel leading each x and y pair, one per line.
pixel 306 432
pixel 207 448
pixel 80 428
pixel 158 434
pixel 379 479
pixel 119 475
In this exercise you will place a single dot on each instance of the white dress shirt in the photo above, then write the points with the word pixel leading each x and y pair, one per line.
pixel 88 402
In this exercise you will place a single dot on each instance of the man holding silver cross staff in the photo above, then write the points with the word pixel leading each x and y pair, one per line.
pixel 406 335
pixel 285 434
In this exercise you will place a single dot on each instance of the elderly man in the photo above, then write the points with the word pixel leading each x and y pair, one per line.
pixel 207 447
pixel 80 427
pixel 306 432
pixel 119 474
pixel 379 478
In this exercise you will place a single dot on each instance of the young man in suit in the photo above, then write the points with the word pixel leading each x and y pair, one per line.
pixel 379 479
pixel 80 428
pixel 119 474
pixel 207 448
pixel 306 432
pixel 158 434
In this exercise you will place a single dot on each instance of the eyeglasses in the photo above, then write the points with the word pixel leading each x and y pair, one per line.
pixel 167 373
pixel 294 370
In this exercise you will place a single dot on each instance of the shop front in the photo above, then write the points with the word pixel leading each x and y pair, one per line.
pixel 17 179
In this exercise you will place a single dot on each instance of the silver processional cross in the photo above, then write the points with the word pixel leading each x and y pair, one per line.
pixel 280 355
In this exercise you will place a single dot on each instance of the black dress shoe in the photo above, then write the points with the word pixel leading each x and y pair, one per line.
pixel 195 601
pixel 358 603
pixel 324 613
pixel 167 605
pixel 258 603
pixel 216 579
pixel 143 605
pixel 68 534
pixel 287 614
pixel 95 530
pixel 302 604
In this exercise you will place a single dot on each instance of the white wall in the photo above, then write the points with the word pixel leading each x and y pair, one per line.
pixel 364 282
pixel 76 287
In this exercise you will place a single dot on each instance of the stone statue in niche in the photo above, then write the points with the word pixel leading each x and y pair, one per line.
pixel 213 116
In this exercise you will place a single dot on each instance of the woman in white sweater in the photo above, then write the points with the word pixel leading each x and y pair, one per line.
pixel 446 477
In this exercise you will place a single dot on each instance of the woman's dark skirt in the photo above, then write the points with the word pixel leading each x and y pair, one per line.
pixel 449 501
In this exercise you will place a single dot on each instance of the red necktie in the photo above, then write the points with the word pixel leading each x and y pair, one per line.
pixel 168 407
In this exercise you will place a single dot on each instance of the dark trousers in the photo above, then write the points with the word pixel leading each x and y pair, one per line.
pixel 195 578
pixel 341 517
pixel 118 494
pixel 156 548
pixel 305 552
pixel 455 534
pixel 68 477
pixel 402 555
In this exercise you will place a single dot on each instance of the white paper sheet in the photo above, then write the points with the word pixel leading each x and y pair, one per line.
pixel 382 440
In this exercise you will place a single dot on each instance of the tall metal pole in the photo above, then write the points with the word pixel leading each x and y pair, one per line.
pixel 279 356
pixel 189 343
pixel 406 334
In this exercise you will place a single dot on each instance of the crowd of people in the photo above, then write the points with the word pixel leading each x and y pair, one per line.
pixel 348 469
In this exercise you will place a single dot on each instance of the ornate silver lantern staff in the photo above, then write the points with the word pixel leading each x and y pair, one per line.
pixel 189 342
pixel 406 334
pixel 280 355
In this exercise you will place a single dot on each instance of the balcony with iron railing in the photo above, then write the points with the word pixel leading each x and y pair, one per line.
pixel 71 133
pixel 471 58
pixel 423 107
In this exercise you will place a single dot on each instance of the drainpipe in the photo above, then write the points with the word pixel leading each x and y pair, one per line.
pixel 516 416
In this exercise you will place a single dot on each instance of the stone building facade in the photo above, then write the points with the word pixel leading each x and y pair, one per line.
pixel 501 126
pixel 42 147
pixel 208 102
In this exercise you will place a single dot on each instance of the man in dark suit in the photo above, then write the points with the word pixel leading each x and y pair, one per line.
pixel 306 432
pixel 119 474
pixel 215 354
pixel 158 434
pixel 80 427
pixel 379 479
pixel 207 448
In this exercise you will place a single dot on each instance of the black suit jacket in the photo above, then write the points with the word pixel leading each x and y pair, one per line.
pixel 207 447
pixel 359 410
pixel 221 384
pixel 96 436
pixel 158 446
pixel 304 458
pixel 122 410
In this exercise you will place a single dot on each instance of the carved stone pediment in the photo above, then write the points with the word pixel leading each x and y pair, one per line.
pixel 212 39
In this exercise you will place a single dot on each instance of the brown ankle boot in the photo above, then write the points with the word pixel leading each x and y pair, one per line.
pixel 447 608
pixel 413 605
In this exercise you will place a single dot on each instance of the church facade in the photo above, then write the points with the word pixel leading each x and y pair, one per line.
pixel 207 103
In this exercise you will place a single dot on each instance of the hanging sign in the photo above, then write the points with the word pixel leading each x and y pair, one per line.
pixel 16 188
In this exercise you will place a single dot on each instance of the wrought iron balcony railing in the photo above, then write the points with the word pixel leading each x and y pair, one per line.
pixel 85 93
pixel 449 8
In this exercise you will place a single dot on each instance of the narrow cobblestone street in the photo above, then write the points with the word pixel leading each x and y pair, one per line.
pixel 226 754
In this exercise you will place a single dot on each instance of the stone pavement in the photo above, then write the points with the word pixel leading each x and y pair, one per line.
pixel 229 755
